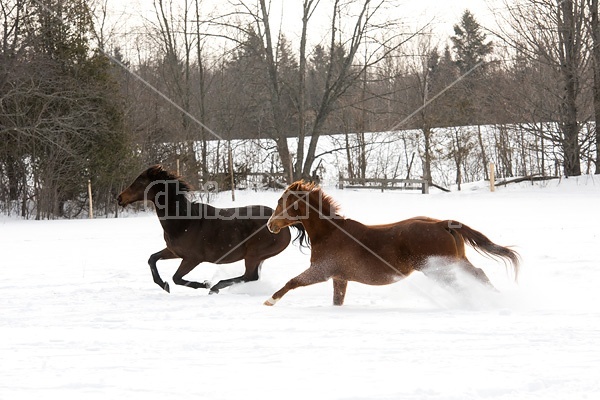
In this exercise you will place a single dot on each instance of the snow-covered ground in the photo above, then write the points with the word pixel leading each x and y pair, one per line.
pixel 80 317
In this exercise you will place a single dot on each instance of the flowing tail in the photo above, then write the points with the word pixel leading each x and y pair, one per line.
pixel 302 236
pixel 482 244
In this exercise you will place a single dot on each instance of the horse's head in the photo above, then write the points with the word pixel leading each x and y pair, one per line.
pixel 138 190
pixel 293 206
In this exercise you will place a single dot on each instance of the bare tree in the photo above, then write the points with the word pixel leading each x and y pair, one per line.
pixel 553 35
pixel 338 82
pixel 308 9
pixel 595 33
pixel 341 71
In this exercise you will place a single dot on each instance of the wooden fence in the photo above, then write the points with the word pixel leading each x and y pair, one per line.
pixel 384 184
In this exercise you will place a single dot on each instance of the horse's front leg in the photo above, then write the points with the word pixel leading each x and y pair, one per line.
pixel 186 266
pixel 339 291
pixel 164 254
pixel 309 277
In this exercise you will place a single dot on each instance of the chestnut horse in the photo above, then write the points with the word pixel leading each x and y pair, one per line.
pixel 346 250
pixel 197 232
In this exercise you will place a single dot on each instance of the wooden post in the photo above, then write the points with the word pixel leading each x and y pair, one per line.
pixel 231 171
pixel 91 213
pixel 425 187
pixel 492 178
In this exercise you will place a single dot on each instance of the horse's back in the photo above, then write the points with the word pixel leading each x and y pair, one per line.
pixel 393 248
pixel 239 222
pixel 226 235
pixel 251 212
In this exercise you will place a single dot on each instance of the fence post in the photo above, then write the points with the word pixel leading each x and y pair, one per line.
pixel 91 213
pixel 492 178
pixel 425 187
pixel 230 154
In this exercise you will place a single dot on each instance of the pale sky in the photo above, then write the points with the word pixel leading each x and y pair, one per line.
pixel 441 14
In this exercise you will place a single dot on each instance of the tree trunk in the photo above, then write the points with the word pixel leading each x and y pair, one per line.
pixel 595 26
pixel 568 68
pixel 349 157
pixel 362 155
pixel 458 158
pixel 307 10
pixel 337 83
pixel 202 98
pixel 484 158
pixel 286 160
pixel 427 164
pixel 275 100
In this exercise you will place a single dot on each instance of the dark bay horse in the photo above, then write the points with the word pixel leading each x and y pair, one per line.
pixel 346 250
pixel 197 232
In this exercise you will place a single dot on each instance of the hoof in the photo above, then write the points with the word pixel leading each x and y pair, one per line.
pixel 166 287
pixel 270 302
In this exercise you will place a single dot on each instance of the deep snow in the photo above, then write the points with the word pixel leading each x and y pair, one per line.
pixel 82 319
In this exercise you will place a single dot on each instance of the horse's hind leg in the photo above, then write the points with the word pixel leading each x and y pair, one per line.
pixel 185 268
pixel 252 274
pixel 339 291
pixel 440 270
pixel 476 273
pixel 445 272
pixel 164 254
pixel 308 277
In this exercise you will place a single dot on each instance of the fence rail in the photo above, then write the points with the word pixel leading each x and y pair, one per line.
pixel 384 184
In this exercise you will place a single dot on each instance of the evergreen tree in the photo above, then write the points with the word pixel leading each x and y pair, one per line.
pixel 73 129
pixel 469 43
pixel 471 49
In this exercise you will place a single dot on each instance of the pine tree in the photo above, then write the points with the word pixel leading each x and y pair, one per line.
pixel 469 43
pixel 75 124
pixel 471 49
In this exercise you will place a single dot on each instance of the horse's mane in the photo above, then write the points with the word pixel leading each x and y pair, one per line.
pixel 328 206
pixel 157 172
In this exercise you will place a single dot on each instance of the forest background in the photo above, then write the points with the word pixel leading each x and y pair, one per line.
pixel 85 99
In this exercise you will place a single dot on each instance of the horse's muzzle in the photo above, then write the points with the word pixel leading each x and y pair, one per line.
pixel 120 201
pixel 273 229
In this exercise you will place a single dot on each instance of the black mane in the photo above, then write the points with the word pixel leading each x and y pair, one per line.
pixel 158 173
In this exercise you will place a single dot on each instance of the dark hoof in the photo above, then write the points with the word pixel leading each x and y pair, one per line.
pixel 214 291
pixel 166 287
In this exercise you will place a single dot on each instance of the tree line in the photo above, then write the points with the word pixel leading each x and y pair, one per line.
pixel 82 101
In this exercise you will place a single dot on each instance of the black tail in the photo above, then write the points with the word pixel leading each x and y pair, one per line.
pixel 302 236
pixel 481 243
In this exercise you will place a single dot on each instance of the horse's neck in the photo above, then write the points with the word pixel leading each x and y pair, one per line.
pixel 177 212
pixel 318 224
